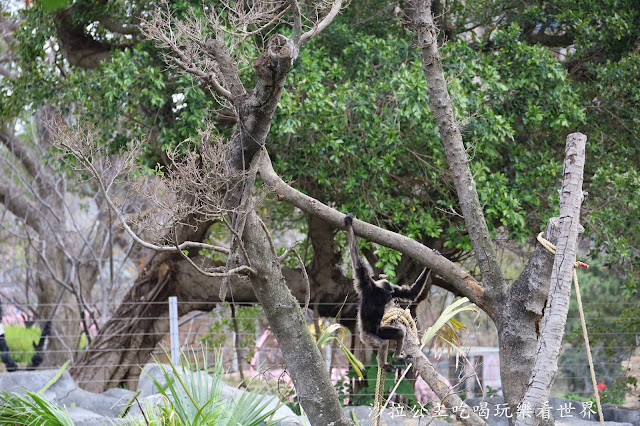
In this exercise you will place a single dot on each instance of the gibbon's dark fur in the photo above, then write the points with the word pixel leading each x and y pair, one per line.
pixel 375 295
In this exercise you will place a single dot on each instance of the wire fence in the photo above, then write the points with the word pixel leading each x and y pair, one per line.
pixel 240 337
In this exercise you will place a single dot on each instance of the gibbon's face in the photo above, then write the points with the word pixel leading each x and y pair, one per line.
pixel 384 285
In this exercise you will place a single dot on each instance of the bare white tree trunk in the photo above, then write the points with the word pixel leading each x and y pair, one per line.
pixel 555 314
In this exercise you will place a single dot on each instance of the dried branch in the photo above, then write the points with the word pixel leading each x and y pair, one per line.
pixel 227 67
pixel 185 55
pixel 554 319
pixel 297 21
pixel 20 205
pixel 324 23
pixel 80 145
pixel 287 251
pixel 436 382
pixel 244 35
pixel 204 272
pixel 303 269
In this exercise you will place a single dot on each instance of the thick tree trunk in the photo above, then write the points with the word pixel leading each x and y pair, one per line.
pixel 516 309
pixel 165 275
pixel 518 323
pixel 138 324
pixel 313 385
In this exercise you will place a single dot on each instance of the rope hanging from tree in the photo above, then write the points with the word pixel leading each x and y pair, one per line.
pixel 552 248
pixel 392 315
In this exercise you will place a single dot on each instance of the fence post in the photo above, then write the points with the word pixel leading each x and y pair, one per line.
pixel 173 330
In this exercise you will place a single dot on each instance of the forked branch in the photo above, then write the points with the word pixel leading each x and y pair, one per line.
pixel 320 26
pixel 440 265
pixel 430 375
pixel 68 143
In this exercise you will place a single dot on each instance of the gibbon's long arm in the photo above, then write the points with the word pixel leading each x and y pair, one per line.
pixel 411 292
pixel 360 271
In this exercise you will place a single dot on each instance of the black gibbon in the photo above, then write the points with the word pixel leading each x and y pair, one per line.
pixel 375 295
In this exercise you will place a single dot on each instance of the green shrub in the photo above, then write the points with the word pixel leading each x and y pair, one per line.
pixel 192 396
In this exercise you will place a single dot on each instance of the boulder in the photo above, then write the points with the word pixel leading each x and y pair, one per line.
pixel 392 417
pixel 83 417
pixel 65 391
pixel 620 414
pixel 149 397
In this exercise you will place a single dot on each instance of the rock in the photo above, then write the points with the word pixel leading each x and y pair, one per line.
pixel 65 391
pixel 105 404
pixel 619 414
pixel 392 417
pixel 33 381
pixel 118 393
pixel 581 422
pixel 146 386
pixel 82 417
pixel 151 403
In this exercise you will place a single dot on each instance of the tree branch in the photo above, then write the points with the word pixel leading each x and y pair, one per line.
pixel 21 151
pixel 20 206
pixel 183 62
pixel 421 23
pixel 447 396
pixel 451 272
pixel 79 48
pixel 320 26
pixel 297 21
pixel 86 162
pixel 119 27
pixel 228 68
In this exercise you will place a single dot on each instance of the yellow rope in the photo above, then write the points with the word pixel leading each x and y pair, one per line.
pixel 392 315
pixel 549 246
pixel 403 316
pixel 377 402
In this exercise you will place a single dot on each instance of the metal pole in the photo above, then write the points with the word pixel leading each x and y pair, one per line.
pixel 173 330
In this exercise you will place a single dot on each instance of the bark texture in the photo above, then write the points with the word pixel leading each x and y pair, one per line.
pixel 517 309
pixel 519 321
pixel 314 389
pixel 555 317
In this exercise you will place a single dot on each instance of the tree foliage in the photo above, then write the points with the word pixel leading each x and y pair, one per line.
pixel 352 126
